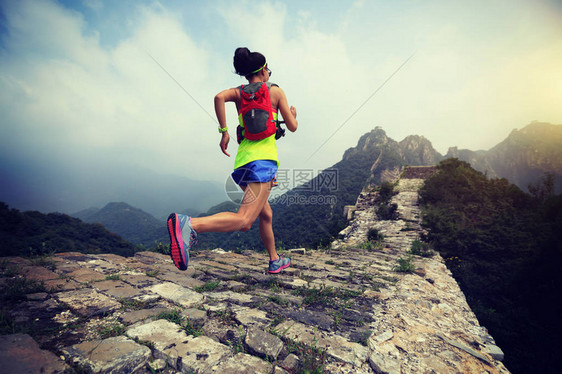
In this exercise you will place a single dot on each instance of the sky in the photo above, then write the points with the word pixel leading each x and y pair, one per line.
pixel 87 84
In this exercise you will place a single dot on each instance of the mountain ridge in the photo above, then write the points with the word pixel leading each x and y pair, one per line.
pixel 133 224
pixel 522 158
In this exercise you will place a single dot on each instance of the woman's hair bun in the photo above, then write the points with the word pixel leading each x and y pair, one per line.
pixel 246 62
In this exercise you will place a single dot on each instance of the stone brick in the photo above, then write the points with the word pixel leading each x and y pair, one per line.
pixel 263 343
pixel 117 289
pixel 135 316
pixel 88 302
pixel 113 355
pixel 85 275
pixel 201 355
pixel 243 363
pixel 178 294
pixel 19 353
pixel 161 333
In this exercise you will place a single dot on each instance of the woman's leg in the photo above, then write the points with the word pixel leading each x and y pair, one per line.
pixel 266 231
pixel 255 198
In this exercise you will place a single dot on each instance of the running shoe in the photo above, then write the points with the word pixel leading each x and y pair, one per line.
pixel 279 264
pixel 179 227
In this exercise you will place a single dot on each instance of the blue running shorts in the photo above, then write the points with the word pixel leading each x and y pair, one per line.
pixel 260 171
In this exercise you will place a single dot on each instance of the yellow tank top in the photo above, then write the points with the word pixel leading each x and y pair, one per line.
pixel 252 150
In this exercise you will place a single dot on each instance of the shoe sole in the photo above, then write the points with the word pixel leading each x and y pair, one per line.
pixel 281 268
pixel 176 246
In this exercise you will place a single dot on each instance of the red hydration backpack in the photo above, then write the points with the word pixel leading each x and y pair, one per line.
pixel 256 111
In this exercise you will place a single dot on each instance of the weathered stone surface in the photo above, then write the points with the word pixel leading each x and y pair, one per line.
pixel 291 362
pixel 39 273
pixel 249 317
pixel 345 368
pixel 300 251
pixel 336 346
pixel 494 351
pixel 178 294
pixel 235 286
pixel 230 296
pixel 195 316
pixel 102 266
pixel 112 355
pixel 158 364
pixel 181 279
pixel 139 280
pixel 151 258
pixel 19 353
pixel 243 364
pixel 84 275
pixel 117 289
pixel 218 265
pixel 161 333
pixel 135 316
pixel 66 284
pixel 39 296
pixel 36 311
pixel 263 343
pixel 202 354
pixel 88 302
pixel 384 364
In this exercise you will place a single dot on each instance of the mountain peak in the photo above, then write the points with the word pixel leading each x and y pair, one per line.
pixel 133 224
pixel 417 150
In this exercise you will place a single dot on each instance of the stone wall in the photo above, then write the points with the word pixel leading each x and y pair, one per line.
pixel 343 310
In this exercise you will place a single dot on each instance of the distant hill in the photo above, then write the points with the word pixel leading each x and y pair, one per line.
pixel 69 188
pixel 34 233
pixel 133 224
pixel 523 157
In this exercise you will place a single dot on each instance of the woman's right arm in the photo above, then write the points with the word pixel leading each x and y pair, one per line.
pixel 222 97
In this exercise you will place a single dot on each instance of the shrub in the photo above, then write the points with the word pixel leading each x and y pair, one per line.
pixel 387 211
pixel 386 191
pixel 405 265
pixel 420 248
pixel 373 235
pixel 371 246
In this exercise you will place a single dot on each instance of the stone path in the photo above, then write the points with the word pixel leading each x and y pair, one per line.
pixel 345 310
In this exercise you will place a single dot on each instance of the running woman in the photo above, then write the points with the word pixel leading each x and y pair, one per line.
pixel 255 167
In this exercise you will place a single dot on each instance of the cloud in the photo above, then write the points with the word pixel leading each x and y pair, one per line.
pixel 70 90
pixel 76 97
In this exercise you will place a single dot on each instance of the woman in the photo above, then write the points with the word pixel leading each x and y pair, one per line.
pixel 254 171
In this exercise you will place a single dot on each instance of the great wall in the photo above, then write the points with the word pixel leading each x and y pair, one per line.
pixel 343 310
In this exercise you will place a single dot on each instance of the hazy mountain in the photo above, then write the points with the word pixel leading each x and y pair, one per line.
pixel 523 157
pixel 417 150
pixel 85 214
pixel 133 224
pixel 68 188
